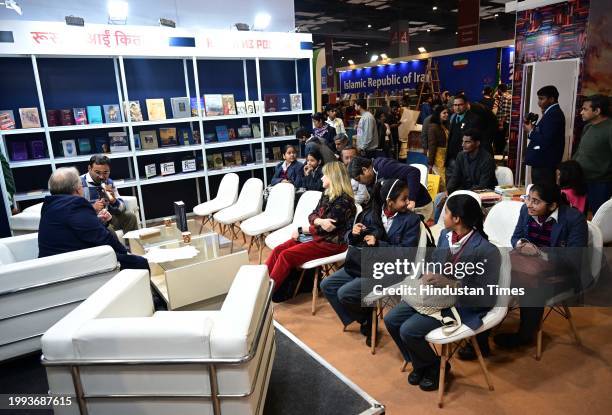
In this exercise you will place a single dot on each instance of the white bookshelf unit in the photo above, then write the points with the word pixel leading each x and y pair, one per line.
pixel 38 41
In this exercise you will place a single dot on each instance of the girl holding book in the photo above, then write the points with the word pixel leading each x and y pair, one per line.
pixel 289 170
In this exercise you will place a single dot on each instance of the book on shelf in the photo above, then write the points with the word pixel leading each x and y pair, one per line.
pixel 37 149
pixel 54 118
pixel 19 151
pixel 231 132
pixel 258 156
pixel 271 102
pixel 112 113
pixel 276 153
pixel 180 211
pixel 197 139
pixel 7 120
pixel 259 107
pixel 237 158
pixel 241 108
pixel 167 137
pixel 184 136
pixel 188 164
pixel 150 170
pixel 133 110
pixel 228 159
pixel 156 110
pixel 137 143
pixel 247 157
pixel 229 105
pixel 256 131
pixel 222 133
pixel 296 102
pixel 250 107
pixel 148 139
pixel 94 114
pixel 118 142
pixel 282 129
pixel 209 160
pixel 284 103
pixel 29 117
pixel 69 148
pixel 273 129
pixel 218 160
pixel 167 168
pixel 214 104
pixel 290 129
pixel 101 144
pixel 210 137
pixel 80 116
pixel 181 107
pixel 84 145
pixel 244 131
pixel 66 117
pixel 194 106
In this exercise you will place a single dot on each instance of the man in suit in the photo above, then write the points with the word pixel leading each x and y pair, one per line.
pixel 546 138
pixel 462 119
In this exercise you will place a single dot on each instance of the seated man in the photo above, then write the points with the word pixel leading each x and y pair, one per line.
pixel 360 191
pixel 69 222
pixel 341 141
pixel 94 181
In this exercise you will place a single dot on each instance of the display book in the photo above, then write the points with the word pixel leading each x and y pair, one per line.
pixel 282 102
pixel 229 159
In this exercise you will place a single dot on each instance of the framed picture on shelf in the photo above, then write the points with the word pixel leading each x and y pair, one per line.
pixel 188 165
pixel 167 168
pixel 150 170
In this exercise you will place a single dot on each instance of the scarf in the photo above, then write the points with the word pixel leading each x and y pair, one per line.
pixel 319 132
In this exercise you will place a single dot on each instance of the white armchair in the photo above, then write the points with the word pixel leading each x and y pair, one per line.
pixel 37 292
pixel 119 356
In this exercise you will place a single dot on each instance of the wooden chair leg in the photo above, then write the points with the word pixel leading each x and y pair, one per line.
pixel 299 284
pixel 243 237
pixel 250 245
pixel 374 328
pixel 260 245
pixel 539 339
pixel 202 226
pixel 568 314
pixel 443 360
pixel 404 366
pixel 483 365
pixel 315 291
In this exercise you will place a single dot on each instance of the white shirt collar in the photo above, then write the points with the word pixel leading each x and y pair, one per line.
pixel 89 179
pixel 554 215
pixel 454 248
pixel 387 222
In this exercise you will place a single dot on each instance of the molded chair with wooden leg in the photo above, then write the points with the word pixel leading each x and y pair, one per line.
pixel 464 333
pixel 307 203
pixel 278 213
pixel 226 196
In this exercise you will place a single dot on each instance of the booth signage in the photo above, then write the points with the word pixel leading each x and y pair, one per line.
pixel 385 77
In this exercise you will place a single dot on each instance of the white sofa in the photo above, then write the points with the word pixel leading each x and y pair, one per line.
pixel 169 362
pixel 35 292
pixel 27 221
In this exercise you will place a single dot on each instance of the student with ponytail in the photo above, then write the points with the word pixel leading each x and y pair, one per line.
pixel 388 222
pixel 463 240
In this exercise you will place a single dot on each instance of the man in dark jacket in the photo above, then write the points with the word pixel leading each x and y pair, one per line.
pixel 546 138
pixel 462 119
pixel 69 222
pixel 474 168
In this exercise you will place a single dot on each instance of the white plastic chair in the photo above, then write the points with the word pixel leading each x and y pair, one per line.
pixel 603 220
pixel 501 221
pixel 249 204
pixel 504 176
pixel 424 172
pixel 226 196
pixel 436 229
pixel 307 203
pixel 490 320
pixel 278 213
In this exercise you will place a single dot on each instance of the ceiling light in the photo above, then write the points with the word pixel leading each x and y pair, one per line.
pixel 428 30
pixel 117 11
pixel 351 62
pixel 496 14
pixel 12 5
pixel 374 58
pixel 369 26
pixel 435 7
pixel 384 56
pixel 456 33
pixel 167 22
pixel 262 21
pixel 422 49
pixel 242 27
pixel 366 44
pixel 75 21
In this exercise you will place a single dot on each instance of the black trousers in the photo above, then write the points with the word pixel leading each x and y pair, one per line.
pixel 541 175
pixel 129 261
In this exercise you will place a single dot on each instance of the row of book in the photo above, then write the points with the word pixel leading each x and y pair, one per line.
pixel 182 107
pixel 241 157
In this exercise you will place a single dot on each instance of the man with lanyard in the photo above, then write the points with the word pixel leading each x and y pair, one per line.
pixel 102 194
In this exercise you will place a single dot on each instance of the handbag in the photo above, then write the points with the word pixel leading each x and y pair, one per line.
pixel 529 270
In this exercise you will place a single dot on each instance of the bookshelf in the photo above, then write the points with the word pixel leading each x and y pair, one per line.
pixel 61 77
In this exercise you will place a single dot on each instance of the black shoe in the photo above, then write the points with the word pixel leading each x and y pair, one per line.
pixel 510 340
pixel 366 328
pixel 414 378
pixel 467 352
pixel 431 377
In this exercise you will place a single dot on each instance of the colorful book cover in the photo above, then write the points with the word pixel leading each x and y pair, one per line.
pixel 148 139
pixel 84 145
pixel 237 158
pixel 214 104
pixel 19 151
pixel 241 108
pixel 296 102
pixel 244 131
pixel 80 116
pixel 137 143
pixel 274 129
pixel 134 111
pixel 185 137
pixel 284 103
pixel 7 120
pixel 66 117
pixel 228 159
pixel 167 136
pixel 101 144
pixel 37 149
pixel 250 107
pixel 271 102
pixel 69 148
pixel 197 138
pixel 231 132
pixel 94 114
pixel 217 160
pixel 247 157
pixel 229 105
pixel 194 106
pixel 222 133
pixel 54 118
pixel 156 110
pixel 210 137
pixel 118 142
pixel 29 117
pixel 180 107
pixel 112 113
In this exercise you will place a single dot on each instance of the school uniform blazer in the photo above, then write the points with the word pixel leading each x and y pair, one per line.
pixel 294 172
pixel 405 230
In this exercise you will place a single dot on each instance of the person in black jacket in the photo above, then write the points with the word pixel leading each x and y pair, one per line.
pixel 474 168
pixel 313 172
pixel 323 131
pixel 546 138
pixel 69 222
pixel 462 119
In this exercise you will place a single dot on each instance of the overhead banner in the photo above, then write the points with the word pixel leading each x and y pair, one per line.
pixel 468 23
pixel 385 77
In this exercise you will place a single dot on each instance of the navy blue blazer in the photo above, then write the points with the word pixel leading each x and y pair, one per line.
pixel 294 172
pixel 387 168
pixel 312 181
pixel 404 231
pixel 547 140
pixel 69 223
pixel 477 250
pixel 571 229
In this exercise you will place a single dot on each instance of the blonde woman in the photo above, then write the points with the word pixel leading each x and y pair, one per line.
pixel 329 222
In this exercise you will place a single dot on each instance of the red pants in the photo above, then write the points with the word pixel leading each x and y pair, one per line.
pixel 291 254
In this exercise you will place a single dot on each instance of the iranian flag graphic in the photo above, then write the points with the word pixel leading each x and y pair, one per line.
pixel 460 63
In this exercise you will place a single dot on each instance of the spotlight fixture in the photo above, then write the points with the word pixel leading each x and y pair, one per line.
pixel 366 44
pixel 496 15
pixel 117 11
pixel 435 8
pixel 75 21
pixel 351 62
pixel 428 30
pixel 422 49
pixel 12 5
pixel 167 22
pixel 374 58
pixel 242 27
pixel 262 21
pixel 369 26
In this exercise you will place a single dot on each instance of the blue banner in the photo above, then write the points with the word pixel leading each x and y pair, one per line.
pixel 385 77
